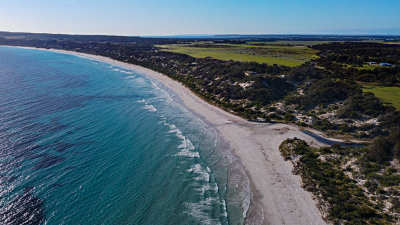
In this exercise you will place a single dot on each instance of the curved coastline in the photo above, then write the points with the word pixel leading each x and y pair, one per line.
pixel 277 194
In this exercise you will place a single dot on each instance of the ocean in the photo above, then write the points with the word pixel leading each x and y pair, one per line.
pixel 86 142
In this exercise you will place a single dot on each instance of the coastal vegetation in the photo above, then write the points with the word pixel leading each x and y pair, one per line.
pixel 333 96
pixel 350 187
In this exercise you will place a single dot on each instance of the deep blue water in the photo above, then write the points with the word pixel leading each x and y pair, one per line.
pixel 85 142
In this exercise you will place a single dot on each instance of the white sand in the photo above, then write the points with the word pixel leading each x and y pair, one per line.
pixel 274 187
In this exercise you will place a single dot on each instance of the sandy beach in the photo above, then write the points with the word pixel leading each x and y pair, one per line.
pixel 277 194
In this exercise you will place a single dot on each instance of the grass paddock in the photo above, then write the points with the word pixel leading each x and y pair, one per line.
pixel 270 54
pixel 389 95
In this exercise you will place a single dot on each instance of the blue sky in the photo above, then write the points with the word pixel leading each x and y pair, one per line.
pixel 174 17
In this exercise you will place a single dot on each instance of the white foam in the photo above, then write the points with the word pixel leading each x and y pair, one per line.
pixel 186 143
pixel 186 146
pixel 151 108
pixel 121 71
pixel 207 187
pixel 139 80
pixel 201 174
pixel 202 180
pixel 127 72
pixel 199 211
pixel 203 184
pixel 187 153
pixel 175 131
pixel 223 202
pixel 157 87
pixel 166 94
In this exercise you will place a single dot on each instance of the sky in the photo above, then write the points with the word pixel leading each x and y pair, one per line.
pixel 179 17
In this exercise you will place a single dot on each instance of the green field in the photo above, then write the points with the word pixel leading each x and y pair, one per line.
pixel 367 67
pixel 294 43
pixel 389 95
pixel 269 54
pixel 391 43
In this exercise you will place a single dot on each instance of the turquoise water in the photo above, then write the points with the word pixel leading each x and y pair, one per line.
pixel 86 142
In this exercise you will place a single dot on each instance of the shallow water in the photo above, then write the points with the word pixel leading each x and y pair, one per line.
pixel 86 142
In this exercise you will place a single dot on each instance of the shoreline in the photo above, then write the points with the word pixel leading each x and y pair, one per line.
pixel 273 185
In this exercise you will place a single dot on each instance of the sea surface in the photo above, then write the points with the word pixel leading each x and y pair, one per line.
pixel 86 142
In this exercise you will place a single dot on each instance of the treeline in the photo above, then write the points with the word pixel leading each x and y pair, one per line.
pixel 353 104
pixel 346 61
pixel 324 91
pixel 20 37
pixel 385 148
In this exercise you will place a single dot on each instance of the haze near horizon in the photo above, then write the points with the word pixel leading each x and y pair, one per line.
pixel 179 17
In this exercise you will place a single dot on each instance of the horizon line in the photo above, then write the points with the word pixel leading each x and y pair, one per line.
pixel 221 34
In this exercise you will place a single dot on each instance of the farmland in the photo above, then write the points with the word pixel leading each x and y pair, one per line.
pixel 389 95
pixel 270 54
pixel 288 43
